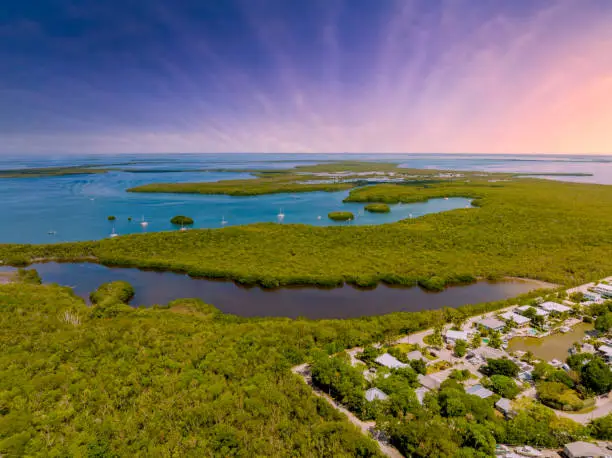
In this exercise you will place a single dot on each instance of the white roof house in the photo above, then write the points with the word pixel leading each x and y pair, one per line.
pixel 603 289
pixel 584 450
pixel 491 323
pixel 428 381
pixel 480 391
pixel 520 320
pixel 453 336
pixel 390 361
pixel 504 406
pixel 539 311
pixel 374 394
pixel 488 353
pixel 554 307
pixel 416 354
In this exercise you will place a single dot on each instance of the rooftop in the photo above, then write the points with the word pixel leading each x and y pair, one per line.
pixel 491 323
pixel 428 381
pixel 480 391
pixel 390 361
pixel 416 354
pixel 585 449
pixel 505 405
pixel 518 319
pixel 539 311
pixel 375 394
pixel 554 307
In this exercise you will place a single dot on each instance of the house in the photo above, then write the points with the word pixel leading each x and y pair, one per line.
pixel 453 336
pixel 429 382
pixel 390 361
pixel 606 352
pixel 414 355
pixel 603 289
pixel 592 296
pixel 582 449
pixel 374 394
pixel 420 394
pixel 554 307
pixel 488 353
pixel 492 324
pixel 520 320
pixel 538 311
pixel 505 406
pixel 480 391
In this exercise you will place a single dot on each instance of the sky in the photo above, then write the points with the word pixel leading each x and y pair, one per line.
pixel 444 76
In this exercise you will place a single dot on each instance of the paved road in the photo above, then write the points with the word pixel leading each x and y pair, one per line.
pixel 303 370
pixel 603 408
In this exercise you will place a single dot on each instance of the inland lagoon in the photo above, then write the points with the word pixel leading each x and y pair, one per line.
pixel 554 346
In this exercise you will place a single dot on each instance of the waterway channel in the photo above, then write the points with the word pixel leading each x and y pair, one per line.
pixel 554 346
pixel 309 302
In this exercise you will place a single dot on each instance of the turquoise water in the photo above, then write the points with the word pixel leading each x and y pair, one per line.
pixel 77 207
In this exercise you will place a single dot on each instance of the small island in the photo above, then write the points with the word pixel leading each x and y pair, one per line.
pixel 341 216
pixel 112 218
pixel 377 208
pixel 180 220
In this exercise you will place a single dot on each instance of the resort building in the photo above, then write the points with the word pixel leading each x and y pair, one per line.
pixel 584 450
pixel 539 311
pixel 480 391
pixel 520 320
pixel 492 324
pixel 554 307
pixel 603 289
pixel 429 382
pixel 453 336
pixel 374 394
pixel 390 361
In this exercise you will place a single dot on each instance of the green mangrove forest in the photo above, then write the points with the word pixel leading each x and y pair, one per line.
pixel 341 216
pixel 377 208
pixel 540 229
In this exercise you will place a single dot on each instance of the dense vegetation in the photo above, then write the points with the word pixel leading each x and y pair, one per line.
pixel 111 218
pixel 185 380
pixel 539 229
pixel 50 172
pixel 377 208
pixel 341 216
pixel 180 220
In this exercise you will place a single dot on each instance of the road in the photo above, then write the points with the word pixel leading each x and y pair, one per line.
pixel 603 406
pixel 366 427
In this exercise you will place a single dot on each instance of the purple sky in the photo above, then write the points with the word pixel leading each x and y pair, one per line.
pixel 481 76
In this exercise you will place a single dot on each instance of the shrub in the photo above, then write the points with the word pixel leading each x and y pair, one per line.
pixel 558 396
pixel 596 376
pixel 500 367
pixel 180 219
pixel 504 386
pixel 601 428
pixel 29 276
pixel 460 348
pixel 377 208
pixel 113 292
pixel 603 323
pixel 112 218
pixel 341 216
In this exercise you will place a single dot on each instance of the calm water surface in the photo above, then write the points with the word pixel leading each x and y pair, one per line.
pixel 551 347
pixel 344 302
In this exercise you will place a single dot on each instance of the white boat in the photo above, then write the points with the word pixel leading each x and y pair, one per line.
pixel 280 216
pixel 319 217
pixel 183 228
pixel 113 234
pixel 52 232
pixel 144 223
pixel 446 198
pixel 223 221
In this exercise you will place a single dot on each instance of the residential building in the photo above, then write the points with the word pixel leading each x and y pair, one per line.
pixel 416 354
pixel 585 450
pixel 539 311
pixel 429 382
pixel 453 336
pixel 606 352
pixel 505 406
pixel 519 320
pixel 488 353
pixel 603 289
pixel 592 296
pixel 492 324
pixel 374 394
pixel 480 391
pixel 554 307
pixel 390 361
pixel 420 394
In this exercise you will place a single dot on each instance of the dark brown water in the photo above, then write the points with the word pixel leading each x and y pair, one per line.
pixel 343 302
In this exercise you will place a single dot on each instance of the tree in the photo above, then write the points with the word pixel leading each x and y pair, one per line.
pixel 460 348
pixel 596 376
pixel 500 367
pixel 435 339
pixel 603 323
pixel 577 296
pixel 476 340
pixel 558 396
pixel 495 340
pixel 504 386
pixel 369 354
pixel 419 366
pixel 601 428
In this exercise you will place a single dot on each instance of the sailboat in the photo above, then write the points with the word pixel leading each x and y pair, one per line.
pixel 319 217
pixel 144 223
pixel 113 234
pixel 280 216
pixel 223 221
pixel 183 228
pixel 52 232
